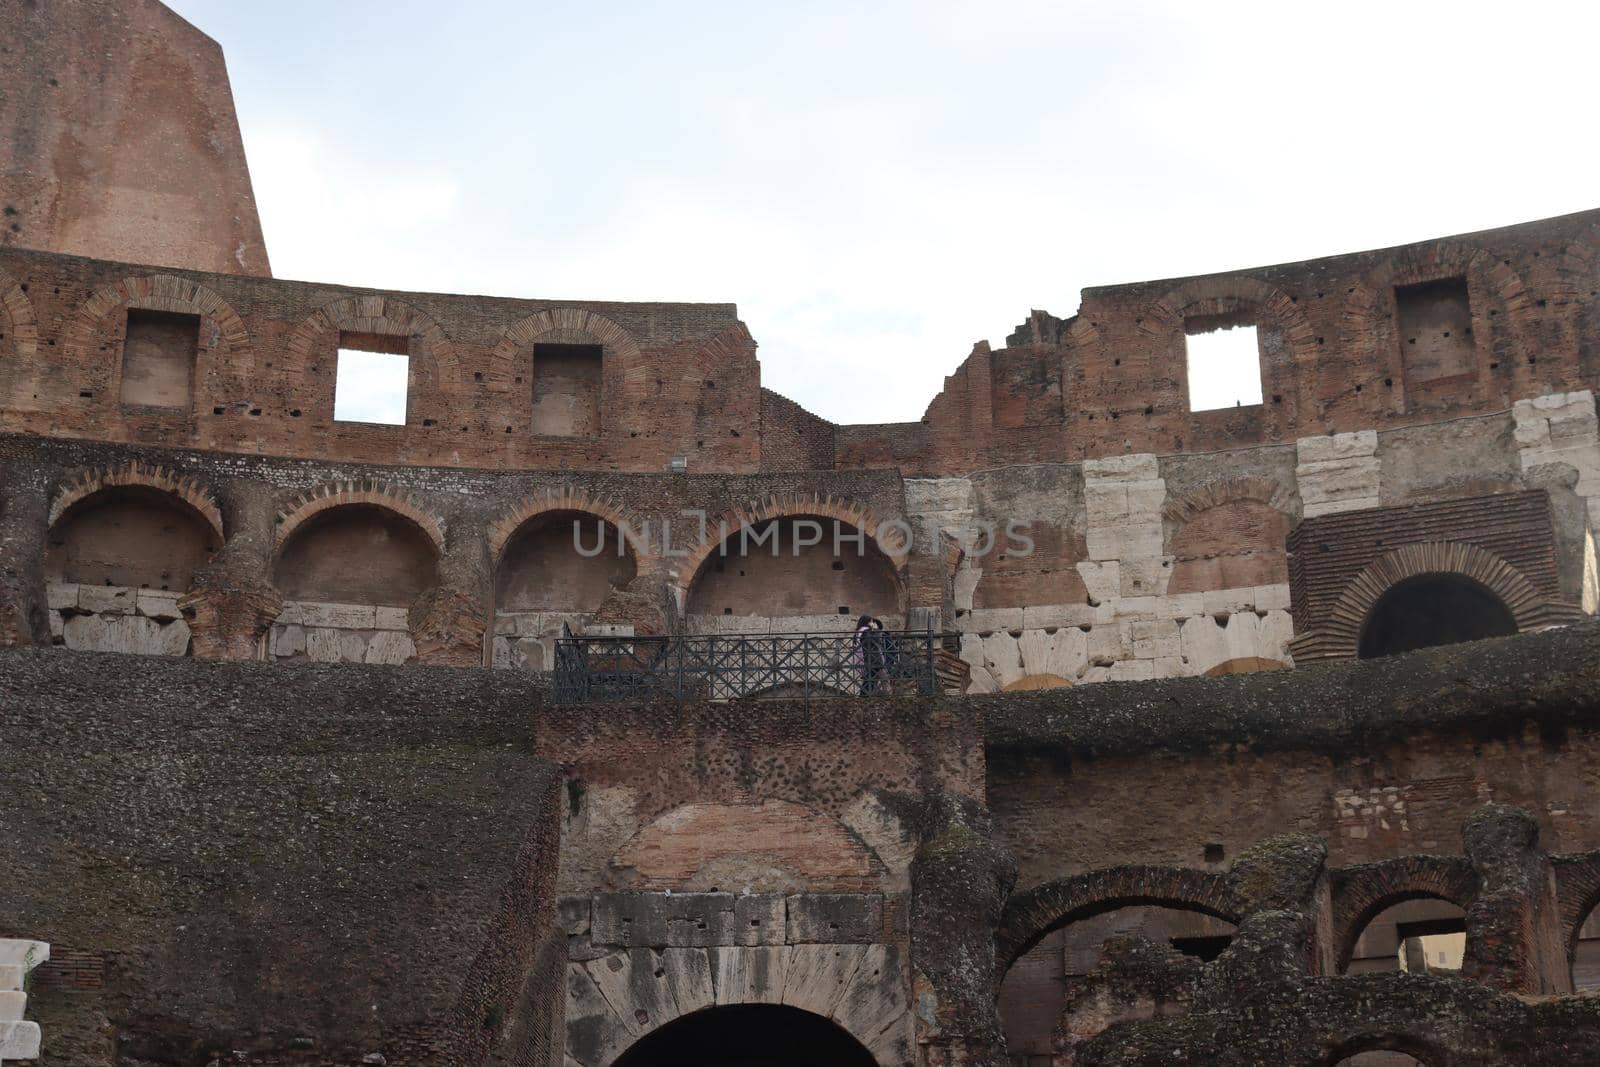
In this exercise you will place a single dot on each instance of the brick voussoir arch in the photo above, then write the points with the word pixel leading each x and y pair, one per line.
pixel 1032 914
pixel 160 292
pixel 1578 891
pixel 1340 633
pixel 1361 892
pixel 17 319
pixel 568 325
pixel 375 313
pixel 1220 295
pixel 896 545
pixel 1228 491
pixel 567 498
pixel 187 491
pixel 344 494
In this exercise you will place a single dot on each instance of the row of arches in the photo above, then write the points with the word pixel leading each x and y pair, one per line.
pixel 1407 915
pixel 357 558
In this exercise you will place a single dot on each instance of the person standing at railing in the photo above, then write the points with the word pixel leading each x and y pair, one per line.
pixel 865 642
pixel 886 652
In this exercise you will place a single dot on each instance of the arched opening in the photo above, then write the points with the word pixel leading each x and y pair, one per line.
pixel 748 1035
pixel 1036 681
pixel 817 569
pixel 557 568
pixel 1230 546
pixel 1038 992
pixel 1433 609
pixel 1422 935
pixel 116 564
pixel 1586 953
pixel 348 577
pixel 1380 1057
pixel 1388 1050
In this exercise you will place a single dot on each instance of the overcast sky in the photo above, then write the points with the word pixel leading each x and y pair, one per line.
pixel 879 185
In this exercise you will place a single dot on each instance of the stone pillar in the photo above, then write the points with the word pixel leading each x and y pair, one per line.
pixel 24 524
pixel 231 603
pixel 1124 496
pixel 1514 923
pixel 1338 473
pixel 448 621
pixel 959 883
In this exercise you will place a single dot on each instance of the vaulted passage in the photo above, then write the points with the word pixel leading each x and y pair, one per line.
pixel 132 537
pixel 748 1035
pixel 1433 609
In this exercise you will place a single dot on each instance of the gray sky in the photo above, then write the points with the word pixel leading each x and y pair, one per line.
pixel 879 185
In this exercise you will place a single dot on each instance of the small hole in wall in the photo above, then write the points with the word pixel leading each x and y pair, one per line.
pixel 1319 340
pixel 844 609
pixel 216 411
pixel 1277 398
pixel 425 422
pixel 1532 360
pixel 1116 362
pixel 477 375
pixel 1542 303
pixel 838 564
pixel 710 384
pixel 1389 382
pixel 1324 547
pixel 1214 853
pixel 294 413
pixel 727 611
pixel 1149 409
pixel 1495 365
pixel 255 411
pixel 86 394
pixel 1358 388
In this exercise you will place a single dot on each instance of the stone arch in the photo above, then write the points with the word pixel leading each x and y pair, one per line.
pixel 1578 892
pixel 19 328
pixel 542 582
pixel 89 328
pixel 892 538
pixel 433 363
pixel 778 846
pixel 1339 634
pixel 623 372
pixel 566 498
pixel 341 494
pixel 1032 914
pixel 191 493
pixel 1368 325
pixel 775 1034
pixel 354 563
pixel 1345 1053
pixel 1229 533
pixel 1361 893
pixel 618 1000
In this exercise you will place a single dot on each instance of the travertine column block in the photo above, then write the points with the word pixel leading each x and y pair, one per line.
pixel 1338 472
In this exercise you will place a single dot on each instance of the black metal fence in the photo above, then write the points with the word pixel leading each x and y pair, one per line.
pixel 744 666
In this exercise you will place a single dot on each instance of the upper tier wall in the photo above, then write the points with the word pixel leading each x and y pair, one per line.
pixel 1113 378
pixel 259 366
pixel 1500 316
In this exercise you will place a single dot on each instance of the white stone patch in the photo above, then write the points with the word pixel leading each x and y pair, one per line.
pixel 1338 472
pixel 1563 428
pixel 115 618
pixel 1124 496
pixel 19 1039
pixel 325 632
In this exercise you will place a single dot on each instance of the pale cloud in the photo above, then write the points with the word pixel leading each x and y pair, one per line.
pixel 879 186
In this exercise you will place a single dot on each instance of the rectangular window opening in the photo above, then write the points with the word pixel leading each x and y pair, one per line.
pixel 566 390
pixel 372 379
pixel 1224 364
pixel 158 356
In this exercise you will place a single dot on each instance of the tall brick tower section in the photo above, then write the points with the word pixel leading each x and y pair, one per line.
pixel 118 138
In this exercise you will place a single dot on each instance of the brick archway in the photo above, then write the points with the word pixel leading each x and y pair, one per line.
pixel 1339 634
pixel 1032 914
pixel 189 493
pixel 434 365
pixel 567 498
pixel 342 494
pixel 1578 890
pixel 1361 893
pixel 17 320
pixel 895 543
pixel 231 352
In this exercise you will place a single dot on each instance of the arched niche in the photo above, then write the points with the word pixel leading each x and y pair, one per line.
pixel 742 1035
pixel 1040 990
pixel 348 575
pixel 557 567
pixel 116 562
pixel 1584 953
pixel 1237 544
pixel 799 566
pixel 1433 609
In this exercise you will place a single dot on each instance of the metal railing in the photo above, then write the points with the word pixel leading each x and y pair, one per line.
pixel 744 666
